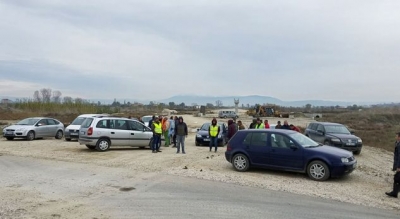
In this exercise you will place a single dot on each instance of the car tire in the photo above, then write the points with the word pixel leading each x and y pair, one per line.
pixel 102 145
pixel 91 147
pixel 224 117
pixel 67 139
pixel 357 152
pixel 318 170
pixel 59 134
pixel 30 136
pixel 240 162
pixel 10 138
pixel 327 143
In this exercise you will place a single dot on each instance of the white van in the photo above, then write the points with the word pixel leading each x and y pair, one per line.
pixel 72 131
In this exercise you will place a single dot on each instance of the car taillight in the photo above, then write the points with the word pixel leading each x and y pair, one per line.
pixel 228 147
pixel 90 131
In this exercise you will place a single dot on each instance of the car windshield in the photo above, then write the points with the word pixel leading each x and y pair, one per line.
pixel 78 121
pixel 337 129
pixel 28 122
pixel 303 140
pixel 146 118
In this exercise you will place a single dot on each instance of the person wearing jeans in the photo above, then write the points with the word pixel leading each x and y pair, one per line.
pixel 213 132
pixel 157 131
pixel 181 132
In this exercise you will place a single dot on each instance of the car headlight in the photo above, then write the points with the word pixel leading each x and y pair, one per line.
pixel 345 160
pixel 359 140
pixel 198 136
pixel 335 140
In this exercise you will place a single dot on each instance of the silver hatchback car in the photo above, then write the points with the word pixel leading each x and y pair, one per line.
pixel 36 127
pixel 103 131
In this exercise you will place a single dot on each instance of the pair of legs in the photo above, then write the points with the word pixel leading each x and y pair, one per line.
pixel 396 186
pixel 180 140
pixel 166 137
pixel 156 143
pixel 214 142
pixel 174 140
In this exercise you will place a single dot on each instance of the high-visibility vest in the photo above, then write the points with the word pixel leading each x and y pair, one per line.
pixel 260 126
pixel 214 131
pixel 157 128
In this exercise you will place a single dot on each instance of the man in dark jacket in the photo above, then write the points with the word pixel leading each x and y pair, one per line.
pixel 253 124
pixel 396 167
pixel 286 125
pixel 231 129
pixel 278 125
pixel 181 131
pixel 176 120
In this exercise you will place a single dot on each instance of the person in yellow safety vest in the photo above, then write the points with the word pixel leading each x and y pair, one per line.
pixel 213 132
pixel 157 132
pixel 260 124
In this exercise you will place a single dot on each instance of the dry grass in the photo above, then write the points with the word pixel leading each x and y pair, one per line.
pixel 376 127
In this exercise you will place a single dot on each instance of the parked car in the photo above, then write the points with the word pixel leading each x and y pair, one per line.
pixel 334 134
pixel 72 131
pixel 202 137
pixel 289 151
pixel 227 114
pixel 146 120
pixel 36 127
pixel 102 132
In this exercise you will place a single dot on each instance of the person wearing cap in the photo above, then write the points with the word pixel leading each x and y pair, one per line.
pixel 396 168
pixel 213 132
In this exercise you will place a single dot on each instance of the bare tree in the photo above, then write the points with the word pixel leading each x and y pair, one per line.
pixel 36 96
pixel 46 94
pixel 218 103
pixel 56 96
pixel 67 99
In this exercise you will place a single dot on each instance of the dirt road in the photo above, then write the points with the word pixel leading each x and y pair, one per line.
pixel 365 186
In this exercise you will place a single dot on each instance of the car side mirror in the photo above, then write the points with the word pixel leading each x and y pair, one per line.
pixel 352 132
pixel 198 129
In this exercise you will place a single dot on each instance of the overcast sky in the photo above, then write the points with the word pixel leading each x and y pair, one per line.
pixel 291 50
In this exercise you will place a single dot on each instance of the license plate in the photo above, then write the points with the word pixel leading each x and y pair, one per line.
pixel 350 144
pixel 82 132
pixel 206 139
pixel 9 133
pixel 73 133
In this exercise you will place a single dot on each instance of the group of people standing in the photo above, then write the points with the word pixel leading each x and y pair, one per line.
pixel 171 128
pixel 259 124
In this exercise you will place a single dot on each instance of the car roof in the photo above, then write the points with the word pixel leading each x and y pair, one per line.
pixel 219 123
pixel 327 123
pixel 93 115
pixel 269 130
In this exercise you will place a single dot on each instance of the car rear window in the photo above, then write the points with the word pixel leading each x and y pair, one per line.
pixel 78 121
pixel 87 122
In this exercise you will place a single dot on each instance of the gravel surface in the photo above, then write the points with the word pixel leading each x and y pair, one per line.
pixel 365 186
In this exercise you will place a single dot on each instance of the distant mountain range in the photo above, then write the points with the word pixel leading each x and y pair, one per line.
pixel 229 101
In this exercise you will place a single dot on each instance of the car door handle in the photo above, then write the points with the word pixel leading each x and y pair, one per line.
pixel 112 132
pixel 132 133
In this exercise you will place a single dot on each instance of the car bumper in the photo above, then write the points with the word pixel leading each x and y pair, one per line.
pixel 343 169
pixel 355 147
pixel 87 141
pixel 206 141
pixel 72 134
pixel 228 156
pixel 14 134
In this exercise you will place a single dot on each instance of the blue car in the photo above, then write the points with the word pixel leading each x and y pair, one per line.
pixel 203 138
pixel 289 151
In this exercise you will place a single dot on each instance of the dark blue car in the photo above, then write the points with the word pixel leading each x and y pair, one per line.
pixel 289 151
pixel 203 138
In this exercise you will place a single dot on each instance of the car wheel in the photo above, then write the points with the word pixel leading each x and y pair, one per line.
pixel 327 143
pixel 224 117
pixel 318 171
pixel 240 162
pixel 67 139
pixel 59 134
pixel 103 145
pixel 9 138
pixel 30 136
pixel 357 152
pixel 91 147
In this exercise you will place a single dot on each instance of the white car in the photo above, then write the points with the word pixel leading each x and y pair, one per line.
pixel 36 127
pixel 146 120
pixel 72 131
